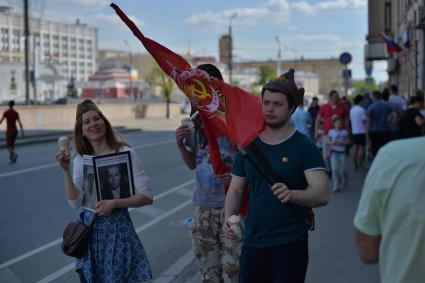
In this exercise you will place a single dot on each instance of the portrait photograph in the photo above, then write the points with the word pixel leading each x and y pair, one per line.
pixel 89 188
pixel 114 176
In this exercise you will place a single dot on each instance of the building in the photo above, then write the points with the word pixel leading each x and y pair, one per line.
pixel 111 84
pixel 403 21
pixel 328 71
pixel 225 43
pixel 68 49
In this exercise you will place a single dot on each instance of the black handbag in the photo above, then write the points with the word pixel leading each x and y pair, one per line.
pixel 76 237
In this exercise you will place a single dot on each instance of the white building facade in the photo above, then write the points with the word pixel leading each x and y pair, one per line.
pixel 65 50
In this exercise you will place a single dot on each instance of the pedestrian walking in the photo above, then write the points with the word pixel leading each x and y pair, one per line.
pixel 367 101
pixel 115 253
pixel 12 117
pixel 333 108
pixel 389 219
pixel 380 120
pixel 313 110
pixel 411 125
pixel 398 104
pixel 358 130
pixel 211 248
pixel 301 120
pixel 275 249
pixel 338 139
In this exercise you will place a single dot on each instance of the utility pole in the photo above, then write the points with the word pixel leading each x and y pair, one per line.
pixel 232 16
pixel 279 61
pixel 130 62
pixel 27 35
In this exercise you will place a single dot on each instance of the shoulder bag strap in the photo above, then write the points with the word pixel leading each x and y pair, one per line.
pixel 277 178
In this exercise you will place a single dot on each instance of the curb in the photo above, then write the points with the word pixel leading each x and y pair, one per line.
pixel 45 138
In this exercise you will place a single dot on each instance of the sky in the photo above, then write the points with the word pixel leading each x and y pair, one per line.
pixel 313 29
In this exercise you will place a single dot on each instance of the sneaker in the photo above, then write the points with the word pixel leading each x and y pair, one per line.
pixel 13 160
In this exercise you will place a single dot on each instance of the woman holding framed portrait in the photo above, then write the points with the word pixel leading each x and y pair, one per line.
pixel 115 252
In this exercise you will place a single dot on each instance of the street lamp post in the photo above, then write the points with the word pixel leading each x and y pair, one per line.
pixel 130 62
pixel 279 50
pixel 232 16
pixel 27 35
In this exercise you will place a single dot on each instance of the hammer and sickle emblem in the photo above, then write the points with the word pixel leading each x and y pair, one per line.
pixel 201 94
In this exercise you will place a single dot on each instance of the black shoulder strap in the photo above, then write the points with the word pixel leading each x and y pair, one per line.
pixel 277 178
pixel 265 162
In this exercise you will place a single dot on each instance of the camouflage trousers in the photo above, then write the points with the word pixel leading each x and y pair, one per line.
pixel 213 251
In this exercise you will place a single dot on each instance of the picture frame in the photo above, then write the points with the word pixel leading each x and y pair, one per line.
pixel 89 184
pixel 114 176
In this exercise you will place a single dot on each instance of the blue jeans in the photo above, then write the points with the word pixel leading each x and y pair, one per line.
pixel 279 264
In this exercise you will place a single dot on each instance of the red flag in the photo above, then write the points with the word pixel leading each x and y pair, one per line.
pixel 225 110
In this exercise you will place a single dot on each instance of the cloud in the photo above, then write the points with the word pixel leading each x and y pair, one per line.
pixel 90 3
pixel 310 9
pixel 111 19
pixel 304 7
pixel 275 10
pixel 317 37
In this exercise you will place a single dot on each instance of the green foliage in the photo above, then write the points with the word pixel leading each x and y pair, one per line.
pixel 361 86
pixel 158 78
pixel 267 73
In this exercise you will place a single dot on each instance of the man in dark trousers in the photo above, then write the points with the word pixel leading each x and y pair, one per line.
pixel 12 117
pixel 275 238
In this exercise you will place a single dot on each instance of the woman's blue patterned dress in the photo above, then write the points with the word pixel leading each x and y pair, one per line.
pixel 115 253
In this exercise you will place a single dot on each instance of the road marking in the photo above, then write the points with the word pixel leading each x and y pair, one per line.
pixel 58 273
pixel 176 268
pixel 36 168
pixel 30 254
pixel 69 267
pixel 59 241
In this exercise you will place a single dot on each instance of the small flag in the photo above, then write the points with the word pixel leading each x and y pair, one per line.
pixel 392 46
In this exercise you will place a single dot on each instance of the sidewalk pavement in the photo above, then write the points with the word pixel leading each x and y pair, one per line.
pixel 51 133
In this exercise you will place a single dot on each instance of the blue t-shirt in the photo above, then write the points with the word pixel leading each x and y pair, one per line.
pixel 208 191
pixel 270 222
pixel 301 121
pixel 380 115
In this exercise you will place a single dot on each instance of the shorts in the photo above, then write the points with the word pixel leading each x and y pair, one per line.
pixel 359 139
pixel 10 139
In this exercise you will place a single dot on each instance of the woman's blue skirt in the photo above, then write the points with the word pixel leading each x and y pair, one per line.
pixel 115 253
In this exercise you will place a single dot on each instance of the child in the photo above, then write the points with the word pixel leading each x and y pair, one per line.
pixel 319 140
pixel 338 138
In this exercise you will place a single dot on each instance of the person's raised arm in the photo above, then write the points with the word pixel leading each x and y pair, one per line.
pixel 189 157
pixel 71 192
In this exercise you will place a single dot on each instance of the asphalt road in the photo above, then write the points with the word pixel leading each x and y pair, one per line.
pixel 34 212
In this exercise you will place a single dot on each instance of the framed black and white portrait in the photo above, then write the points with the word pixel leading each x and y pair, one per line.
pixel 114 176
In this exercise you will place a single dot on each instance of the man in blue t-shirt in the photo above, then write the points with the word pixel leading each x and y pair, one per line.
pixel 275 238
pixel 381 119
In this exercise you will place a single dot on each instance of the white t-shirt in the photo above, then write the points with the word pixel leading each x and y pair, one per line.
pixel 338 136
pixel 358 120
pixel 142 183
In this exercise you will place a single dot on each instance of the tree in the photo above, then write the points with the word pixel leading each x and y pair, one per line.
pixel 267 73
pixel 157 78
pixel 361 86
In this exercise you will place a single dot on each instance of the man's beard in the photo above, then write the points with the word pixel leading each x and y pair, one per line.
pixel 278 125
